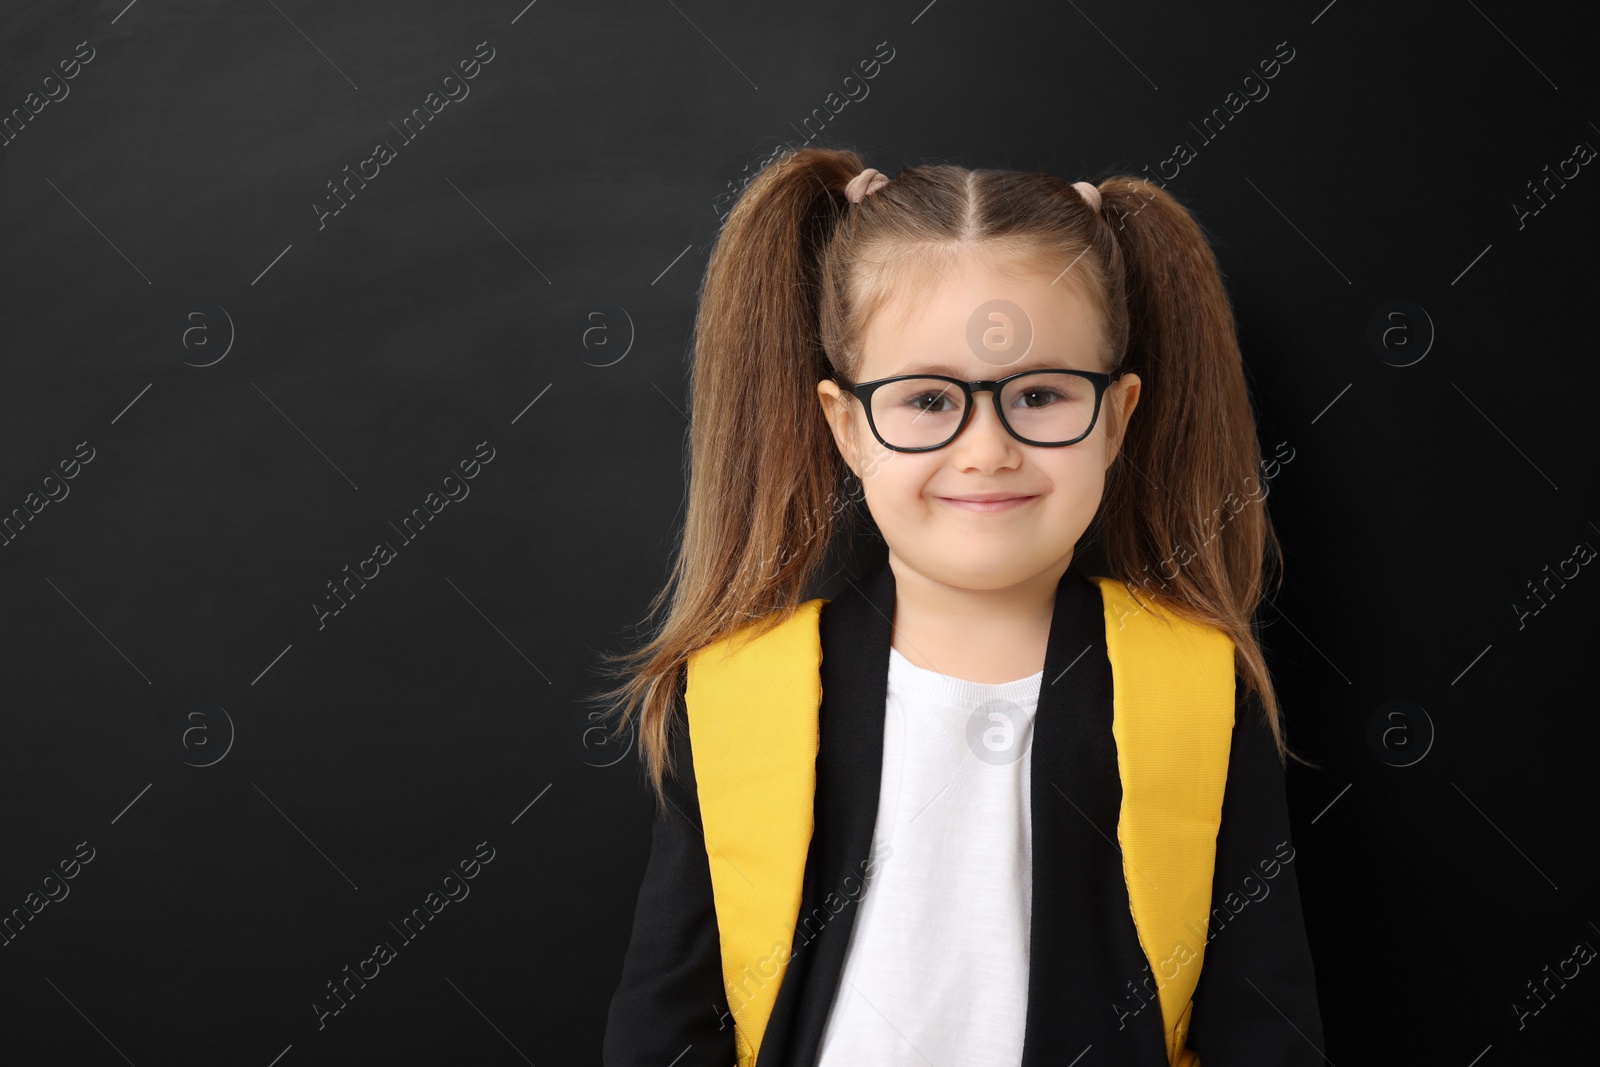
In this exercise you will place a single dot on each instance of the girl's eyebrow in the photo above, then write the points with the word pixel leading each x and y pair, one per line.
pixel 1000 371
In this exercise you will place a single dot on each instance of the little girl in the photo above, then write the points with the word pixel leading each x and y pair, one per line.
pixel 987 807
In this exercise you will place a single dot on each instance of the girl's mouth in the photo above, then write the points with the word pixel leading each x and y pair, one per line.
pixel 988 505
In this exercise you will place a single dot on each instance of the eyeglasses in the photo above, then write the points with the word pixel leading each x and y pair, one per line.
pixel 922 412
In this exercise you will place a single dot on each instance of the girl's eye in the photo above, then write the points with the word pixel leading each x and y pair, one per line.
pixel 1045 397
pixel 928 402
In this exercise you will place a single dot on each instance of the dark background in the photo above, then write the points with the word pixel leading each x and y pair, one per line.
pixel 265 397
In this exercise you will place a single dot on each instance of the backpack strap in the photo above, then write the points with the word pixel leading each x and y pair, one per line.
pixel 1173 705
pixel 753 731
pixel 753 734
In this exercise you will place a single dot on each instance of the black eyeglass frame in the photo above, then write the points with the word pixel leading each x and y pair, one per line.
pixel 863 392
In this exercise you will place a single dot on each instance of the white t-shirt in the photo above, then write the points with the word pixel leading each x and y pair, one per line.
pixel 936 970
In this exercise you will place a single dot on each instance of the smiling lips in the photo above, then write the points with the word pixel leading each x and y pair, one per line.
pixel 987 501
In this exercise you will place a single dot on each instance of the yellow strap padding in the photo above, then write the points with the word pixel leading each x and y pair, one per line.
pixel 1173 700
pixel 753 732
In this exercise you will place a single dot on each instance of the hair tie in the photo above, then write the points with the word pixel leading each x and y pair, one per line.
pixel 865 184
pixel 1090 194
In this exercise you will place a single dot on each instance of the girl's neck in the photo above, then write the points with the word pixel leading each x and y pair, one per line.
pixel 981 635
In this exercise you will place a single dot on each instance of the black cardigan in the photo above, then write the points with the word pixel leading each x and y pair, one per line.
pixel 1089 984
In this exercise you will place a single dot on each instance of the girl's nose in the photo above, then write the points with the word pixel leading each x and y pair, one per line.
pixel 984 428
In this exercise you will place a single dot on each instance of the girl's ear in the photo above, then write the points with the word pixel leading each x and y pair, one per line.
pixel 1121 398
pixel 836 409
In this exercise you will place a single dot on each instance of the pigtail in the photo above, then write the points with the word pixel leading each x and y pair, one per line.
pixel 1182 517
pixel 765 480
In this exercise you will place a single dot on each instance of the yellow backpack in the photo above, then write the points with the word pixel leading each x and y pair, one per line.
pixel 753 705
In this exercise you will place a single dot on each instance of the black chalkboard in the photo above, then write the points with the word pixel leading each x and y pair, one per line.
pixel 344 405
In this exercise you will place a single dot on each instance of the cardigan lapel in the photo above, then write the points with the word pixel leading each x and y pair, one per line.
pixel 1085 961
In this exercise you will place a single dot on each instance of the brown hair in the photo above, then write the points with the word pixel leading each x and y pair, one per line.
pixel 796 274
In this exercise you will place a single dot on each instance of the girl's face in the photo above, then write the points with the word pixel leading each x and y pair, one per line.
pixel 910 493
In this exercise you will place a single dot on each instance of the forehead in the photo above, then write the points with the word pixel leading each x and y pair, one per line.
pixel 980 316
